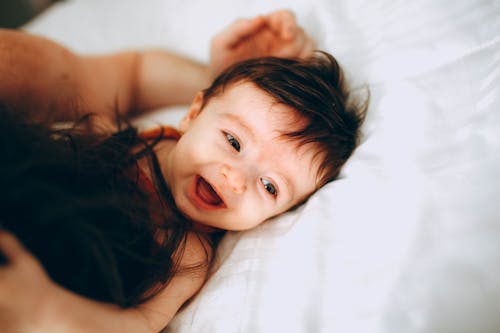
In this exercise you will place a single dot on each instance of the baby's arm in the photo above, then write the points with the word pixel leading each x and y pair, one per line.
pixel 40 78
pixel 31 302
pixel 275 34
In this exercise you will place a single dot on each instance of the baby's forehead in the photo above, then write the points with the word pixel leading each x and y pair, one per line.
pixel 288 146
pixel 291 138
pixel 276 126
pixel 286 119
pixel 281 117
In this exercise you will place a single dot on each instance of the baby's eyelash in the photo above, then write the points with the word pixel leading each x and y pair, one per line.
pixel 269 187
pixel 233 141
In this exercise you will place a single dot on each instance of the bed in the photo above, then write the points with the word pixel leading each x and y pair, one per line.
pixel 408 239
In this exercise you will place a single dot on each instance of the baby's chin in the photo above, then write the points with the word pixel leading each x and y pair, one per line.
pixel 199 224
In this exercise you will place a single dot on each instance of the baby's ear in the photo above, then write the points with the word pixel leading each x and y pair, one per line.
pixel 193 112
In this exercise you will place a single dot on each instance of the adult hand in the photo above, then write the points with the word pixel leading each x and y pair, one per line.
pixel 276 34
pixel 24 288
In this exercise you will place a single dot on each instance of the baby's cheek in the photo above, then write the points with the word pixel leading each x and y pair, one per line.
pixel 193 151
pixel 206 145
pixel 255 212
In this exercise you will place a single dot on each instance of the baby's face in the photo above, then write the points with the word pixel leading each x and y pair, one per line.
pixel 232 169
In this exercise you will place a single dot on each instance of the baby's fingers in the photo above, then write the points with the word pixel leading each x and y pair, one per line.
pixel 308 48
pixel 301 46
pixel 283 23
pixel 238 30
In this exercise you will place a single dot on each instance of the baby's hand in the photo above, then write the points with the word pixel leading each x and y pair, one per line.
pixel 24 288
pixel 275 34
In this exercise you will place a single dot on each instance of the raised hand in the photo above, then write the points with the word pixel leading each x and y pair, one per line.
pixel 276 34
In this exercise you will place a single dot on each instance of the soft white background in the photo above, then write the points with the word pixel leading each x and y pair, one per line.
pixel 409 239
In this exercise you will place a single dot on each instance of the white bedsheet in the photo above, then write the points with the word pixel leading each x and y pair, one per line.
pixel 409 239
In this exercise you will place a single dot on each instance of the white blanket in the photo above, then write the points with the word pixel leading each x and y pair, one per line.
pixel 408 240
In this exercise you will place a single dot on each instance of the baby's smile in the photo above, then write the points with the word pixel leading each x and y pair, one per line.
pixel 232 168
pixel 207 194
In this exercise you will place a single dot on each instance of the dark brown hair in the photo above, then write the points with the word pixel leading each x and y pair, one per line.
pixel 315 89
pixel 74 200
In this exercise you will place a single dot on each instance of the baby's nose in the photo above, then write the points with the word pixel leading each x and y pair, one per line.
pixel 234 178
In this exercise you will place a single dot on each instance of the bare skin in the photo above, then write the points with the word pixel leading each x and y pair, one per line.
pixel 41 76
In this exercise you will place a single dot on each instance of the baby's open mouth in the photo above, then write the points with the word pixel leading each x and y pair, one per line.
pixel 207 194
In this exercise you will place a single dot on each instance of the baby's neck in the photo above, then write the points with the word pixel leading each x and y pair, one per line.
pixel 164 151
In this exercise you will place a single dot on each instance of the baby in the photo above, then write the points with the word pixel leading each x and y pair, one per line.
pixel 265 135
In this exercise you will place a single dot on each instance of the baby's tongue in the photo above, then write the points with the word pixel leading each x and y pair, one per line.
pixel 207 193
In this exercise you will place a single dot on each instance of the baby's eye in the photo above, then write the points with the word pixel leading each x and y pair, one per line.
pixel 269 187
pixel 232 141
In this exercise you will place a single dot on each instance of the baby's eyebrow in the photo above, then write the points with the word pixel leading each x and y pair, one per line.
pixel 247 128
